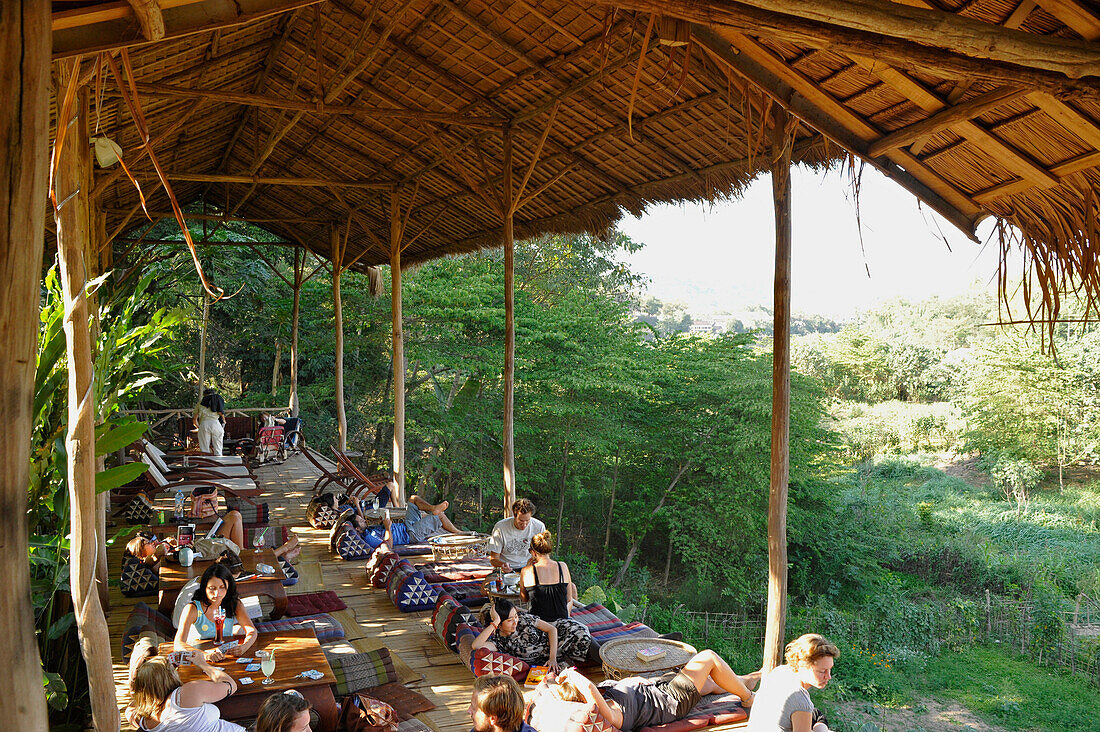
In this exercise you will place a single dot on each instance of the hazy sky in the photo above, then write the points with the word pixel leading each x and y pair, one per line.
pixel 721 257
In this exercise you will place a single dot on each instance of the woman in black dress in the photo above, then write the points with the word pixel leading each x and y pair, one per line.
pixel 545 583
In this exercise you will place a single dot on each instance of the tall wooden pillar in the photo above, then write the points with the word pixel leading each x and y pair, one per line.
pixel 338 310
pixel 509 329
pixel 299 267
pixel 781 394
pixel 24 162
pixel 398 349
pixel 71 180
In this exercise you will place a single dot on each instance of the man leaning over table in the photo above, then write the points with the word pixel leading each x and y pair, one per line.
pixel 510 542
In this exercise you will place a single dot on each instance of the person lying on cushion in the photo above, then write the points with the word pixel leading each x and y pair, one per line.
pixel 633 703
pixel 532 640
pixel 423 520
pixel 783 704
pixel 497 705
pixel 152 551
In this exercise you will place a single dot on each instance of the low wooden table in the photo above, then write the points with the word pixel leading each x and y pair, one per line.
pixel 295 651
pixel 174 576
pixel 620 658
pixel 494 589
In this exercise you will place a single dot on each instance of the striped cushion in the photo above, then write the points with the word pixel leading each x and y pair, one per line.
pixel 326 627
pixel 251 513
pixel 355 671
pixel 469 593
pixel 145 618
pixel 636 629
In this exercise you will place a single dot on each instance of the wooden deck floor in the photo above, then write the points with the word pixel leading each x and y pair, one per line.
pixel 369 622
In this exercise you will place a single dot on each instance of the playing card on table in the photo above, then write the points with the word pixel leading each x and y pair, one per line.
pixel 244 660
pixel 252 667
pixel 245 680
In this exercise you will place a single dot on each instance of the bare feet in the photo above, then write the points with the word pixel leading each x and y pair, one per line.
pixel 751 680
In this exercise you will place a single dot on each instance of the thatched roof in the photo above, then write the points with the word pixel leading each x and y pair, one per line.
pixel 356 98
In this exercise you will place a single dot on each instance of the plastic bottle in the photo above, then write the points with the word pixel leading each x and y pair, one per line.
pixel 180 501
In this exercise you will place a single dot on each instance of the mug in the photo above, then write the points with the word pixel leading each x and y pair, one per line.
pixel 186 556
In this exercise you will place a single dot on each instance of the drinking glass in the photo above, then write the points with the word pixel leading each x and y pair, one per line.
pixel 258 540
pixel 219 623
pixel 267 665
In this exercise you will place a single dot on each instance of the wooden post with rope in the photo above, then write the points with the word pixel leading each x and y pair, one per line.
pixel 71 217
pixel 299 268
pixel 775 630
pixel 24 121
pixel 509 328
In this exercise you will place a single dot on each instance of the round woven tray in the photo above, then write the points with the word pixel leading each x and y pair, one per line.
pixel 620 658
pixel 449 547
pixel 374 515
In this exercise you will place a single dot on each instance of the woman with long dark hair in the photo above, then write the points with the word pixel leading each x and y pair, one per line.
pixel 217 591
pixel 532 639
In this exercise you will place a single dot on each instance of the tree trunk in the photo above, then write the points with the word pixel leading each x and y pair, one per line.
pixel 638 540
pixel 338 311
pixel 299 266
pixel 781 392
pixel 561 493
pixel 73 173
pixel 611 506
pixel 398 349
pixel 509 330
pixel 668 558
pixel 24 129
pixel 275 368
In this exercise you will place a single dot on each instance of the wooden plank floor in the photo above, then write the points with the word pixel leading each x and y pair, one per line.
pixel 370 621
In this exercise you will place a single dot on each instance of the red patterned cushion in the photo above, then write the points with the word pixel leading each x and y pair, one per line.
pixel 494 662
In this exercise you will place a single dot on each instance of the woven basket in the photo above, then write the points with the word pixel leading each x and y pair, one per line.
pixel 620 658
pixel 452 547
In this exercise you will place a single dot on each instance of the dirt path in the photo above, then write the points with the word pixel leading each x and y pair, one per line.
pixel 927 715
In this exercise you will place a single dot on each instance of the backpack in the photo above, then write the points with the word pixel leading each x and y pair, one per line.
pixel 361 713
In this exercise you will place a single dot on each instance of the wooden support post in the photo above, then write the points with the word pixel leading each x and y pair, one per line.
pixel 398 349
pixel 781 392
pixel 71 219
pixel 509 328
pixel 299 268
pixel 24 127
pixel 338 310
pixel 202 344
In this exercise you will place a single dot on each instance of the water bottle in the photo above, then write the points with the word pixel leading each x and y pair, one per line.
pixel 180 501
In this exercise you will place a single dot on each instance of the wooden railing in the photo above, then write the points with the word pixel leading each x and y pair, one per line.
pixel 160 416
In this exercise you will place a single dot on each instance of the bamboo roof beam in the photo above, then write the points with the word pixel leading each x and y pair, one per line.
pixel 821 111
pixel 902 36
pixel 150 18
pixel 1074 14
pixel 208 242
pixel 945 118
pixel 104 26
pixel 279 181
pixel 303 106
pixel 1005 154
pixel 234 219
pixel 1074 165
pixel 492 34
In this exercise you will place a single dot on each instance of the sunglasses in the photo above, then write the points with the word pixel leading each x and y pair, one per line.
pixel 294 692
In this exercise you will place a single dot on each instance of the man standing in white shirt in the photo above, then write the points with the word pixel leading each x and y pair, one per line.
pixel 510 542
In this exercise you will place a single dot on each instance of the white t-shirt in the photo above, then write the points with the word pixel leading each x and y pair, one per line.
pixel 780 696
pixel 203 718
pixel 514 544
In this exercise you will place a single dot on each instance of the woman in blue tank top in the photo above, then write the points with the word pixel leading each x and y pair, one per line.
pixel 217 589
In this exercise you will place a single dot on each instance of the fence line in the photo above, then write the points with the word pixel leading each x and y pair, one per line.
pixel 1066 639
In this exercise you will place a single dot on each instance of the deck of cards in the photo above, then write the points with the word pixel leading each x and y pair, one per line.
pixel 245 680
pixel 313 674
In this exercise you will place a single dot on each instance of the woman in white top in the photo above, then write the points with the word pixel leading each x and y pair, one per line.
pixel 209 420
pixel 783 703
pixel 160 703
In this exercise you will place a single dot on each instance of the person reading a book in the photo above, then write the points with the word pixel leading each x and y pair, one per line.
pixel 216 596
pixel 633 703
pixel 510 540
pixel 784 704
pixel 546 583
pixel 148 549
pixel 427 520
pixel 496 705
pixel 532 639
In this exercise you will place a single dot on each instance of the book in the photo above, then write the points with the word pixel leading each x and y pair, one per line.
pixel 650 653
pixel 535 676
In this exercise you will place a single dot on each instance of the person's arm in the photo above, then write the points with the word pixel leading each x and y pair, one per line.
pixel 482 640
pixel 250 633
pixel 496 561
pixel 190 614
pixel 526 579
pixel 572 590
pixel 803 722
pixel 551 630
pixel 592 695
pixel 196 693
pixel 495 547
